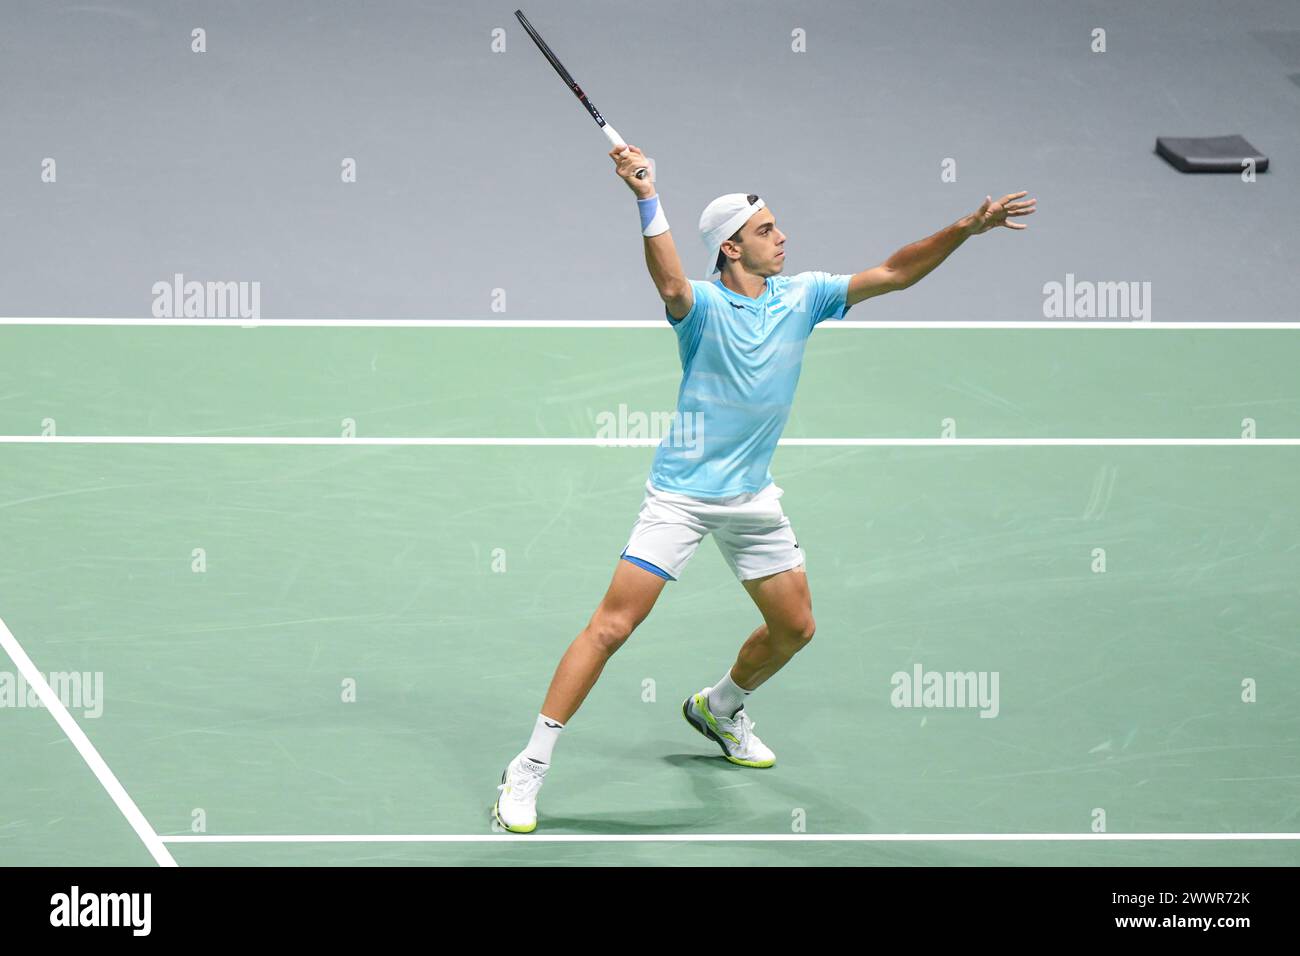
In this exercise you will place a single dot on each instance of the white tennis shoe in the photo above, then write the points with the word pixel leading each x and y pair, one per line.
pixel 735 734
pixel 516 806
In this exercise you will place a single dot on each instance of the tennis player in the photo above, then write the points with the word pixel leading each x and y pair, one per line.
pixel 741 340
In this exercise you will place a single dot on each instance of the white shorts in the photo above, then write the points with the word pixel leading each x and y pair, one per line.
pixel 751 531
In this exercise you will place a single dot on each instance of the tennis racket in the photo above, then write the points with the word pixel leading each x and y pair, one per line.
pixel 610 132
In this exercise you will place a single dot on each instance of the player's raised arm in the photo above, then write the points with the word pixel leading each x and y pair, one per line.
pixel 912 263
pixel 660 251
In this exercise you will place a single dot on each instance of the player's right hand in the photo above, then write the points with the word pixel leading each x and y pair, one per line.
pixel 627 160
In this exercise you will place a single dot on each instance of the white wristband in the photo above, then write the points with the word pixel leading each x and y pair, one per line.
pixel 653 221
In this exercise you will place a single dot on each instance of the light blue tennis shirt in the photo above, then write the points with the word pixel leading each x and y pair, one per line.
pixel 740 364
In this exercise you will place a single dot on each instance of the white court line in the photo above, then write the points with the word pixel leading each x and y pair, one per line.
pixel 726 837
pixel 84 747
pixel 630 442
pixel 628 324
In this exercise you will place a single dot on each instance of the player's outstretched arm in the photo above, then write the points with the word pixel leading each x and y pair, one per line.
pixel 911 264
pixel 660 251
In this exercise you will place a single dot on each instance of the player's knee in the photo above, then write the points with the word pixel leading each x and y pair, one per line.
pixel 807 630
pixel 801 630
pixel 610 629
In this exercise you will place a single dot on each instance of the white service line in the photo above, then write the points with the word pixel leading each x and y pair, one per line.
pixel 630 442
pixel 726 837
pixel 628 324
pixel 84 747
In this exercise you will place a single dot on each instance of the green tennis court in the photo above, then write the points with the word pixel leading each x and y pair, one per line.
pixel 342 642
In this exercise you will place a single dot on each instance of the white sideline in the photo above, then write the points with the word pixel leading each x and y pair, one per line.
pixel 629 324
pixel 84 747
pixel 630 442
pixel 722 837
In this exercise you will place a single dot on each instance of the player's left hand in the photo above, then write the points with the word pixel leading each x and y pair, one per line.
pixel 992 213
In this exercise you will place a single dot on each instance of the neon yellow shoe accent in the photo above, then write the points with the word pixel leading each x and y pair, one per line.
pixel 760 764
pixel 702 704
pixel 502 824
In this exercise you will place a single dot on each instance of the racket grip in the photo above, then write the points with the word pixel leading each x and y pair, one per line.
pixel 617 140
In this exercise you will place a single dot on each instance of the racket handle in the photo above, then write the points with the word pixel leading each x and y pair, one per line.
pixel 617 140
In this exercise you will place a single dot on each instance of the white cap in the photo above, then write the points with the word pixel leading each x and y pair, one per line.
pixel 721 219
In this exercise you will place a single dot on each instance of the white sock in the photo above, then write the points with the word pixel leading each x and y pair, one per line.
pixel 727 696
pixel 545 733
